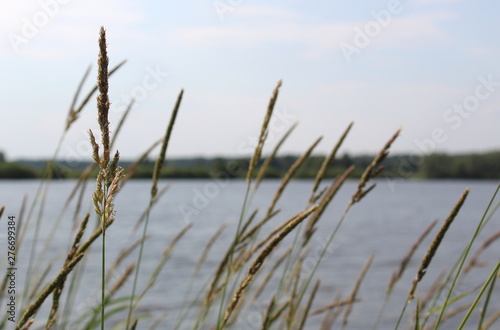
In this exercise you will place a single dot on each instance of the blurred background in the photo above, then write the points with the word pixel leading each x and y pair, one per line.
pixel 430 66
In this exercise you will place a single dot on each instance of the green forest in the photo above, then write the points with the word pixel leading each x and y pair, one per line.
pixel 432 166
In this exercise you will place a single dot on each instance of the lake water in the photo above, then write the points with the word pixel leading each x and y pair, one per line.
pixel 386 223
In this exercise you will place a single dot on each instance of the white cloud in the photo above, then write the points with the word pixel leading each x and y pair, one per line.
pixel 317 39
pixel 39 30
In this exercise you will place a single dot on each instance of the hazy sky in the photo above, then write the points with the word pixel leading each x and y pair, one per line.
pixel 431 66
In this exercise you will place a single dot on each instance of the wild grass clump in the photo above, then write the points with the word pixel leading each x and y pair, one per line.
pixel 248 266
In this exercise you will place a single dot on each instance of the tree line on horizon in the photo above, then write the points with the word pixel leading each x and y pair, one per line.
pixel 433 166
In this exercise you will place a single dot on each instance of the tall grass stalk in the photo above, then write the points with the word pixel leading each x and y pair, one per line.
pixel 43 187
pixel 271 209
pixel 294 253
pixel 326 163
pixel 355 290
pixel 370 172
pixel 397 275
pixel 186 306
pixel 484 310
pixel 250 173
pixel 490 279
pixel 154 190
pixel 259 260
pixel 465 254
pixel 426 260
pixel 489 212
pixel 265 166
pixel 109 173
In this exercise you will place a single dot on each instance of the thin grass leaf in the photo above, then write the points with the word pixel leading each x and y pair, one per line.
pixel 476 301
pixel 270 158
pixel 263 134
pixel 466 252
pixel 154 190
pixel 487 301
pixel 355 290
pixel 326 163
pixel 493 318
pixel 259 260
pixel 309 304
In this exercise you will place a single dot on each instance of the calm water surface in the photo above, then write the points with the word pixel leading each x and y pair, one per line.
pixel 385 223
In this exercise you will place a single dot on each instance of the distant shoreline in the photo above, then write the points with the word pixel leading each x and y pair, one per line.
pixel 433 166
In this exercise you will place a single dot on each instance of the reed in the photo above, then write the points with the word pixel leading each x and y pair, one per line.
pixel 372 171
pixel 33 308
pixel 355 289
pixel 330 193
pixel 228 259
pixel 396 276
pixel 264 282
pixel 406 259
pixel 154 191
pixel 326 163
pixel 424 264
pixel 432 290
pixel 263 133
pixel 473 262
pixel 309 304
pixel 431 251
pixel 58 291
pixel 491 280
pixel 257 263
pixel 269 159
pixel 110 174
pixel 333 312
pixel 455 272
pixel 333 305
pixel 290 173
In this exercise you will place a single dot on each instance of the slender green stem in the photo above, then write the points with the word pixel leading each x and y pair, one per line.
pixel 103 273
pixel 230 262
pixel 139 259
pixel 103 254
pixel 401 315
pixel 476 301
pixel 486 303
pixel 457 262
pixel 382 310
pixel 464 256
pixel 293 256
pixel 44 185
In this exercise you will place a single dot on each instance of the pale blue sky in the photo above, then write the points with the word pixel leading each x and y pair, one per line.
pixel 431 66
